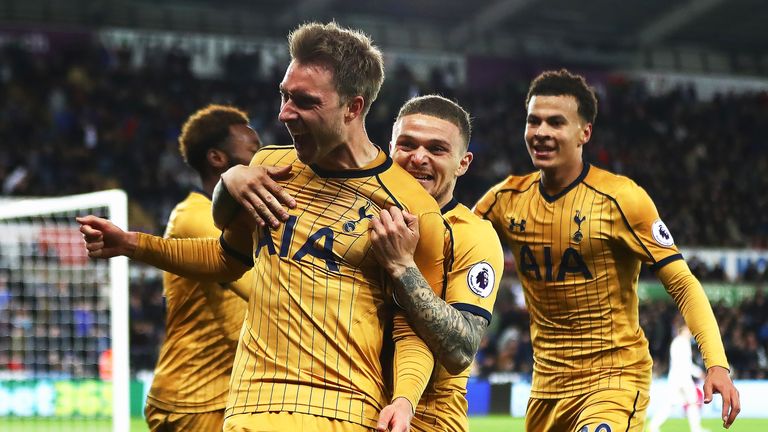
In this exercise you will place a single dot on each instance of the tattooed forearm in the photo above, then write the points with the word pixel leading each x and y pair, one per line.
pixel 453 336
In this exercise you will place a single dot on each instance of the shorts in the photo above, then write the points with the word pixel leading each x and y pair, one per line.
pixel 288 422
pixel 160 420
pixel 613 410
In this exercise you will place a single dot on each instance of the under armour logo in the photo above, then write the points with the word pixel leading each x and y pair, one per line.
pixel 520 225
pixel 350 226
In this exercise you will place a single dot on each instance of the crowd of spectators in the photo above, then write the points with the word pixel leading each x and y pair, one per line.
pixel 85 119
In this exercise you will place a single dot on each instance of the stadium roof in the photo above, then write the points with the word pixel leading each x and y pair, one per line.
pixel 602 26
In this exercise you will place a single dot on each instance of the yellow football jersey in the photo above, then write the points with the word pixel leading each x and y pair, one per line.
pixel 203 320
pixel 578 256
pixel 475 264
pixel 313 334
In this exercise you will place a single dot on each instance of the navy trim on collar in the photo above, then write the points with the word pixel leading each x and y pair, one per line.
pixel 353 173
pixel 579 179
pixel 450 206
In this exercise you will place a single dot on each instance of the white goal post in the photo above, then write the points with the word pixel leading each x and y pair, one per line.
pixel 45 274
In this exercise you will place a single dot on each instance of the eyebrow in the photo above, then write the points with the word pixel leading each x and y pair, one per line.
pixel 547 118
pixel 431 141
pixel 300 94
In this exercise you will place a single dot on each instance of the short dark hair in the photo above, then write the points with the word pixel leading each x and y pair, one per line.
pixel 207 128
pixel 442 108
pixel 357 64
pixel 564 83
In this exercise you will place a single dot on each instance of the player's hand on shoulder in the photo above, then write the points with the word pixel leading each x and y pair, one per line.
pixel 103 239
pixel 718 381
pixel 394 235
pixel 396 417
pixel 256 189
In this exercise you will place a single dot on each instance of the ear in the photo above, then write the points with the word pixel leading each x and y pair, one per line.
pixel 355 107
pixel 586 133
pixel 464 163
pixel 217 159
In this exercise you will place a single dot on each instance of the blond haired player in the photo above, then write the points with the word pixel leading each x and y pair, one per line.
pixel 309 352
pixel 579 235
pixel 203 319
pixel 429 140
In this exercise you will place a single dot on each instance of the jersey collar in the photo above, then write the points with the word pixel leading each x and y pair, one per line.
pixel 381 163
pixel 450 206
pixel 579 179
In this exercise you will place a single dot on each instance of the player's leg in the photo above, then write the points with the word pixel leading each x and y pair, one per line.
pixel 157 419
pixel 692 406
pixel 660 416
pixel 612 411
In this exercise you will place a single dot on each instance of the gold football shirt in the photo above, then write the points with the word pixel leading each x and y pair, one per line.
pixel 578 256
pixel 202 324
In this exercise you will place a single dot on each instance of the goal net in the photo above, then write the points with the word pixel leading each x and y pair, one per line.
pixel 63 316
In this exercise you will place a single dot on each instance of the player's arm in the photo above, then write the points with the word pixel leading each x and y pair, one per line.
pixel 648 237
pixel 452 335
pixel 201 259
pixel 489 208
pixel 412 368
pixel 690 298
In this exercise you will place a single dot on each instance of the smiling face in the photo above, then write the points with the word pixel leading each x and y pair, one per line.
pixel 312 111
pixel 430 149
pixel 555 134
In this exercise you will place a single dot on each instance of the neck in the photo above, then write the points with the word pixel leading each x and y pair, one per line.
pixel 209 182
pixel 445 198
pixel 555 180
pixel 355 152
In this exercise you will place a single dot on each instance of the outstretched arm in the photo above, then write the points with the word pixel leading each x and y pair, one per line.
pixel 697 312
pixel 454 336
pixel 202 259
pixel 103 239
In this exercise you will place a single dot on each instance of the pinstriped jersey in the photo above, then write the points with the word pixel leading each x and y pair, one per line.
pixel 476 263
pixel 313 334
pixel 203 321
pixel 578 256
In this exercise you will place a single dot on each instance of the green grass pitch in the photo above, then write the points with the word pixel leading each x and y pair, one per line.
pixel 479 424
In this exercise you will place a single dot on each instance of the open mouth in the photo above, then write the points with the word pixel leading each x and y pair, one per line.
pixel 540 150
pixel 422 177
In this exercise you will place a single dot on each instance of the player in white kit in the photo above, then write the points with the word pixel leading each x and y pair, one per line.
pixel 681 389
